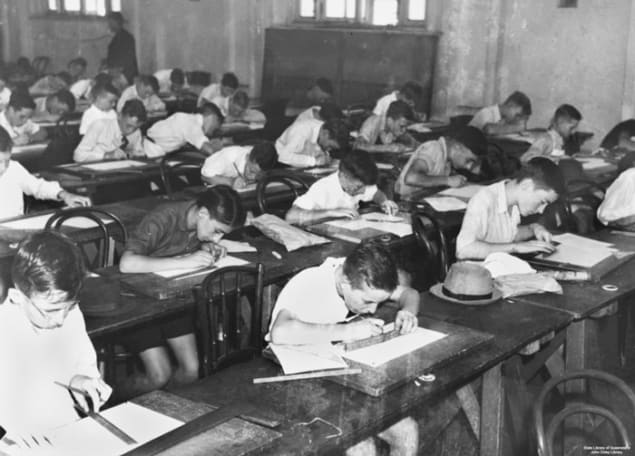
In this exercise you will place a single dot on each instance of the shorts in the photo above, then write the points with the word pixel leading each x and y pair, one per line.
pixel 157 333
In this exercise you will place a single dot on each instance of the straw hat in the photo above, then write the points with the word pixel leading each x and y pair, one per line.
pixel 468 284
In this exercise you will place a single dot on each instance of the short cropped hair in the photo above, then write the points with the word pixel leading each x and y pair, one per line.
pixel 241 99
pixel 265 155
pixel 81 61
pixel 521 100
pixel 210 109
pixel 102 89
pixel 223 204
pixel 177 76
pixel 150 81
pixel 338 131
pixel 325 85
pixel 48 261
pixel 399 109
pixel 229 80
pixel 411 91
pixel 567 111
pixel 359 165
pixel 117 17
pixel 103 78
pixel 329 110
pixel 66 97
pixel 135 108
pixel 6 143
pixel 545 174
pixel 371 263
pixel 20 99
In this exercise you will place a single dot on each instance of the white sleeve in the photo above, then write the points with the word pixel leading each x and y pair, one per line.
pixel 90 148
pixel 194 135
pixel 313 199
pixel 291 150
pixel 34 186
pixel 473 228
pixel 369 193
pixel 215 166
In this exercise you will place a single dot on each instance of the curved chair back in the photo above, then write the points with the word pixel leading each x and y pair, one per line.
pixel 431 239
pixel 276 203
pixel 229 309
pixel 184 163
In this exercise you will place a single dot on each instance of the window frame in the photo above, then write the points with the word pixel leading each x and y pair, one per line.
pixel 62 11
pixel 364 20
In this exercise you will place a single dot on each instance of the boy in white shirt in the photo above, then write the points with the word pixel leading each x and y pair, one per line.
pixel 77 68
pixel 409 93
pixel 339 194
pixel 54 106
pixel 5 92
pixel 239 166
pixel 171 81
pixel 551 143
pixel 314 305
pixel 16 120
pixel 108 139
pixel 378 134
pixel 236 109
pixel 181 128
pixel 509 117
pixel 104 100
pixel 323 112
pixel 145 89
pixel 227 87
pixel 43 340
pixel 309 142
pixel 320 92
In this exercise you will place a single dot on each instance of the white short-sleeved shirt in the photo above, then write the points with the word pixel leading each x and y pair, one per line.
pixel 29 128
pixel 176 131
pixel 435 156
pixel 104 136
pixel 81 88
pixel 152 103
pixel 163 76
pixel 382 105
pixel 487 115
pixel 209 93
pixel 327 193
pixel 308 114
pixel 489 219
pixel 619 202
pixel 546 144
pixel 311 296
pixel 5 97
pixel 373 129
pixel 298 144
pixel 227 162
pixel 32 361
pixel 92 114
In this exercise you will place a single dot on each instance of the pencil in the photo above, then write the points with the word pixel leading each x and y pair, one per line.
pixel 239 173
pixel 71 388
pixel 307 375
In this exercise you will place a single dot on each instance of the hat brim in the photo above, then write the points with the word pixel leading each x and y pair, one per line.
pixel 125 306
pixel 437 290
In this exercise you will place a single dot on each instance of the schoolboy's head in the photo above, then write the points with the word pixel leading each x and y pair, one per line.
pixel 238 104
pixel 60 103
pixel 219 211
pixel 357 170
pixel 540 182
pixel 115 21
pixel 263 157
pixel 47 271
pixel 368 277
pixel 334 135
pixel 466 145
pixel 20 108
pixel 566 120
pixel 398 116
pixel 105 96
pixel 516 108
pixel 228 84
pixel 410 93
pixel 177 80
pixel 146 86
pixel 132 116
pixel 77 67
pixel 329 110
pixel 6 144
pixel 213 118
pixel 321 91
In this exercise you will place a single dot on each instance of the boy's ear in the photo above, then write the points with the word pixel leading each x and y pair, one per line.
pixel 203 212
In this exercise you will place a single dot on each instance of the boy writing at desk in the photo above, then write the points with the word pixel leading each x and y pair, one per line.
pixel 492 219
pixel 239 166
pixel 314 305
pixel 145 89
pixel 43 341
pixel 54 106
pixel 551 143
pixel 387 134
pixel 104 97
pixel 176 235
pixel 509 117
pixel 16 120
pixel 339 194
pixel 236 109
pixel 227 87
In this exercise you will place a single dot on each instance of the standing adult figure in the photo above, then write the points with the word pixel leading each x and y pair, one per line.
pixel 121 50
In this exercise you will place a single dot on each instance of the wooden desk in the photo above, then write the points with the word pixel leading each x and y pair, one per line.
pixel 29 154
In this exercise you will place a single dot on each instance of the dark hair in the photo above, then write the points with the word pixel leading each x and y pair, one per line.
pixel 241 99
pixel 399 109
pixel 520 99
pixel 265 155
pixel 135 108
pixel 545 174
pixel 151 81
pixel 325 85
pixel 21 99
pixel 229 80
pixel 48 261
pixel 371 263
pixel 65 76
pixel 223 204
pixel 411 91
pixel 117 17
pixel 177 76
pixel 568 111
pixel 78 61
pixel 338 131
pixel 359 165
pixel 210 109
pixel 6 143
pixel 66 97
pixel 103 89
pixel 103 78
pixel 470 137
pixel 329 110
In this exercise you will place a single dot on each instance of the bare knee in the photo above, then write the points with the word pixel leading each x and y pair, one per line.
pixel 156 363
pixel 403 437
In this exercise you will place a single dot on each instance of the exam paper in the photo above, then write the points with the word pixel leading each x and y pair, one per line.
pixel 252 187
pixel 38 223
pixel 592 162
pixel 394 226
pixel 222 263
pixel 446 203
pixel 119 164
pixel 466 192
pixel 306 358
pixel 580 241
pixel 576 255
pixel 236 247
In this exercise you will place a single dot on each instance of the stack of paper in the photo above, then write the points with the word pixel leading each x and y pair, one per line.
pixel 186 273
pixel 381 222
pixel 113 165
pixel 580 251
pixel 305 358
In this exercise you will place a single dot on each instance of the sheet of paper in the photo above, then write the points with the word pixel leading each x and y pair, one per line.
pixel 400 229
pixel 237 247
pixel 581 256
pixel 38 223
pixel 385 166
pixel 580 241
pixel 222 263
pixel 446 203
pixel 518 137
pixel 252 187
pixel 110 165
pixel 378 354
pixel 306 358
pixel 593 162
pixel 381 217
pixel 466 192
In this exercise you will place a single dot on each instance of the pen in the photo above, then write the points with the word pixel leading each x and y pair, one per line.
pixel 237 171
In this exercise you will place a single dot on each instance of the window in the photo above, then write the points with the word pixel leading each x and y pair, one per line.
pixel 372 12
pixel 84 7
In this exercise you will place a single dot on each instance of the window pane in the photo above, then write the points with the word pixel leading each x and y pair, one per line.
pixel 101 7
pixel 385 12
pixel 350 9
pixel 73 5
pixel 335 8
pixel 115 5
pixel 52 5
pixel 417 10
pixel 307 8
pixel 91 6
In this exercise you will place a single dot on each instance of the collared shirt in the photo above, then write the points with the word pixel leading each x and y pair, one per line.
pixel 176 131
pixel 382 105
pixel 249 115
pixel 82 88
pixel 152 103
pixel 546 144
pixel 29 128
pixel 489 219
pixel 298 144
pixel 103 136
pixel 227 162
pixel 619 202
pixel 32 361
pixel 164 232
pixel 209 93
pixel 165 82
pixel 327 193
pixel 374 129
pixel 92 114
pixel 5 97
pixel 311 296
pixel 487 115
pixel 308 114
pixel 434 154
pixel 17 181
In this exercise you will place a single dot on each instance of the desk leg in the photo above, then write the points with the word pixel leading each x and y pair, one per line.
pixel 575 356
pixel 492 412
pixel 269 296
pixel 470 407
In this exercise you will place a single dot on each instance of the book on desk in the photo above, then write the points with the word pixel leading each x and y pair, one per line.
pixel 367 226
